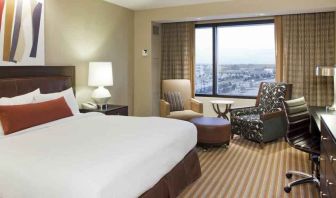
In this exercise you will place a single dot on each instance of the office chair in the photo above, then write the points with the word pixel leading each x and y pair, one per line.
pixel 300 137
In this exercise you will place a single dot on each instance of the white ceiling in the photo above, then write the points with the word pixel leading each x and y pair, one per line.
pixel 150 4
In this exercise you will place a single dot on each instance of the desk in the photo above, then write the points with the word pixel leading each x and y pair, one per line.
pixel 316 113
pixel 325 122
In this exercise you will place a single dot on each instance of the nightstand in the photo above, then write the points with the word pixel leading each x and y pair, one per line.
pixel 110 110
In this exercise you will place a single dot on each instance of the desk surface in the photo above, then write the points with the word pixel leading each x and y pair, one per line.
pixel 330 120
pixel 317 112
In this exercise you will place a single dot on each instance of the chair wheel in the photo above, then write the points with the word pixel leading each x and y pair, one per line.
pixel 289 175
pixel 287 189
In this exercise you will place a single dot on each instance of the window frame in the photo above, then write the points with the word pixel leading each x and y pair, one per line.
pixel 214 27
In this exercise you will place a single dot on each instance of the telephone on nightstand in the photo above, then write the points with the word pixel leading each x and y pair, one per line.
pixel 89 105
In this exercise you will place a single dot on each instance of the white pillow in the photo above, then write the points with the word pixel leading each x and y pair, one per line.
pixel 67 94
pixel 18 100
pixel 21 99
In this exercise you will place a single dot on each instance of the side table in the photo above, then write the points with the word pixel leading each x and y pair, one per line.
pixel 216 108
pixel 109 110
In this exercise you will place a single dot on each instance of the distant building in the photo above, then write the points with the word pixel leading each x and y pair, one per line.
pixel 235 79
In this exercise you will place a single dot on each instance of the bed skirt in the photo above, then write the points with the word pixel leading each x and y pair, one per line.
pixel 174 182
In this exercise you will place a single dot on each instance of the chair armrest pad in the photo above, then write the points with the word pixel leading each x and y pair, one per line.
pixel 276 114
pixel 196 105
pixel 164 108
pixel 244 111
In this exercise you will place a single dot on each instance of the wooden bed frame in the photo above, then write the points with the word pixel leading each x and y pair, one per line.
pixel 19 80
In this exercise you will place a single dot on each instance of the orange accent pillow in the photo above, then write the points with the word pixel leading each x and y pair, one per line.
pixel 18 117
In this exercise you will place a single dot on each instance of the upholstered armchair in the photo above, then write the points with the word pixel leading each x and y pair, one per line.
pixel 191 107
pixel 265 121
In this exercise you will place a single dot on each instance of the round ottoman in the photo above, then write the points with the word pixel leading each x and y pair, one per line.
pixel 212 131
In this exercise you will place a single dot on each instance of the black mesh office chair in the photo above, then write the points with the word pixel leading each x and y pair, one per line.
pixel 300 137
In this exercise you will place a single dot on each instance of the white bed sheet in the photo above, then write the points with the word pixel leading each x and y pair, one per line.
pixel 92 156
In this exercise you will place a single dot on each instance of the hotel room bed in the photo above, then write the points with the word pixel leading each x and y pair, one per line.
pixel 93 155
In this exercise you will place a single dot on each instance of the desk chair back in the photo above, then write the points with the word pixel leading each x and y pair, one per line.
pixel 298 133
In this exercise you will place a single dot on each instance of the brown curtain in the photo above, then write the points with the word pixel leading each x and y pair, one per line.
pixel 304 41
pixel 278 48
pixel 178 48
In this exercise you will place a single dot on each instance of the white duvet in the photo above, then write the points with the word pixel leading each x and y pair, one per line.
pixel 92 156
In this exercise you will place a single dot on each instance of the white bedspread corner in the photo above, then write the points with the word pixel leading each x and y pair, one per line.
pixel 92 156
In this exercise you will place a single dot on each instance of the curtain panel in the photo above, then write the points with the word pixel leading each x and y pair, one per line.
pixel 178 48
pixel 304 41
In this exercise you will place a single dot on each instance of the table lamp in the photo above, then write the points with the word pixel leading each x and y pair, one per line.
pixel 328 71
pixel 100 75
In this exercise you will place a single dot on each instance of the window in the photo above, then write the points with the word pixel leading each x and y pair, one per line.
pixel 233 58
pixel 204 60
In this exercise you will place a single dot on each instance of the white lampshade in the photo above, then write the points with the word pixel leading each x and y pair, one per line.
pixel 100 74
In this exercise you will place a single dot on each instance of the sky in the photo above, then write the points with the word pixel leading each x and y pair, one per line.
pixel 243 44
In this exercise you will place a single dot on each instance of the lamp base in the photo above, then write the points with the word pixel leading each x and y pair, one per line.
pixel 101 95
pixel 101 101
pixel 332 108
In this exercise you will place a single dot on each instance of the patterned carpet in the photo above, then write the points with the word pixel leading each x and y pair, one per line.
pixel 245 170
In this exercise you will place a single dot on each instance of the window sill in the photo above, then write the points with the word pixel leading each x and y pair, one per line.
pixel 224 96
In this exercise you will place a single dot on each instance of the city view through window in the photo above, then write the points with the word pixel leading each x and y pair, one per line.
pixel 245 56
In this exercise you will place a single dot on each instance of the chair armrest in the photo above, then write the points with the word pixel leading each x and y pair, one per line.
pixel 196 105
pixel 276 114
pixel 275 125
pixel 164 108
pixel 244 111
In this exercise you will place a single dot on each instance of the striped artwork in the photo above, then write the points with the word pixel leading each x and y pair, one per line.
pixel 244 170
pixel 22 32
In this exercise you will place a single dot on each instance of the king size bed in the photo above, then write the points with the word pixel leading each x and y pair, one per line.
pixel 91 155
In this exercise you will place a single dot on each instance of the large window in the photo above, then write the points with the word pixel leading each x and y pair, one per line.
pixel 233 58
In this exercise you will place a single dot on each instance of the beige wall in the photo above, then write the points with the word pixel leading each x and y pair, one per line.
pixel 143 81
pixel 80 31
pixel 156 69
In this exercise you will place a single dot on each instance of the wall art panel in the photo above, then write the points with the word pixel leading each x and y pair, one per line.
pixel 22 32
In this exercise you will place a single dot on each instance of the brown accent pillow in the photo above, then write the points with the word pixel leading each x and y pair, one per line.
pixel 18 117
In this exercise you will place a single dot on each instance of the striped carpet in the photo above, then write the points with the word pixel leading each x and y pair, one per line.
pixel 245 170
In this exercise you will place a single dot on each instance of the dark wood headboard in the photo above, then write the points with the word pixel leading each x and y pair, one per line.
pixel 17 80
